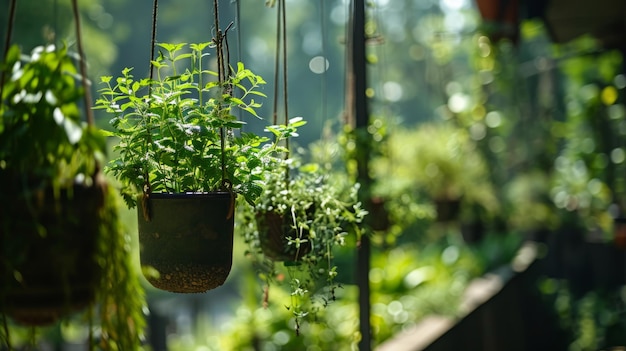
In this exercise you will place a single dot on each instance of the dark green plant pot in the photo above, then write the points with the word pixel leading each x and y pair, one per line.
pixel 48 268
pixel 274 231
pixel 187 243
pixel 448 210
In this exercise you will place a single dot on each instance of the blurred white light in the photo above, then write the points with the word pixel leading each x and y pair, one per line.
pixel 318 65
pixel 478 131
pixel 453 5
pixel 618 155
pixel 493 119
pixel 392 91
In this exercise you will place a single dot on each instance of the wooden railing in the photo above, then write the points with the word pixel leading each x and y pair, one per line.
pixel 502 310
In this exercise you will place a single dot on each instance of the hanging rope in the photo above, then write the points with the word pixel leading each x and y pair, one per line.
pixel 324 80
pixel 238 28
pixel 277 66
pixel 147 188
pixel 155 7
pixel 282 4
pixel 83 66
pixel 223 66
pixel 348 116
pixel 281 58
pixel 7 44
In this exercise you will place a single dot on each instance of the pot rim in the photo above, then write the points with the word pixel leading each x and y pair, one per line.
pixel 188 195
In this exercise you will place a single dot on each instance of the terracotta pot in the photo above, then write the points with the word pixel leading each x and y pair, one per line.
pixel 187 240
pixel 48 244
pixel 501 18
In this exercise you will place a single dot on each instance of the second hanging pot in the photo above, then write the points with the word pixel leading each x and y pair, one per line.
pixel 275 233
pixel 186 240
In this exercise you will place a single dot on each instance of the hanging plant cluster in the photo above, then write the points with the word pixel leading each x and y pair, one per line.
pixel 61 246
pixel 298 221
pixel 182 163
pixel 170 128
pixel 48 170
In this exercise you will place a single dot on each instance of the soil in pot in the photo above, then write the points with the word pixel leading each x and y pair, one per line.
pixel 187 241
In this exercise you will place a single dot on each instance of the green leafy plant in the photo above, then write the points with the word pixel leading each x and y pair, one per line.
pixel 588 171
pixel 42 137
pixel 315 215
pixel 61 242
pixel 177 131
pixel 441 163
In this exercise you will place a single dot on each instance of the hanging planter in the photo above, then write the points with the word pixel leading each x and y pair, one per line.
pixel 280 238
pixel 444 164
pixel 52 270
pixel 52 192
pixel 187 239
pixel 302 214
pixel 178 149
pixel 62 249
pixel 299 222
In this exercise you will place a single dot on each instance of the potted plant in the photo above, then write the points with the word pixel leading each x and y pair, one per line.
pixel 441 163
pixel 183 158
pixel 298 221
pixel 52 189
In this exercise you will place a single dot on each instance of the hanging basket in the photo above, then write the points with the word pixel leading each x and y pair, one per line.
pixel 186 240
pixel 48 243
pixel 274 233
pixel 447 210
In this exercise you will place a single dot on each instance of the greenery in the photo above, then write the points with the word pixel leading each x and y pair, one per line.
pixel 409 282
pixel 588 172
pixel 436 162
pixel 42 138
pixel 121 306
pixel 314 214
pixel 116 319
pixel 176 132
pixel 543 122
pixel 593 321
pixel 49 160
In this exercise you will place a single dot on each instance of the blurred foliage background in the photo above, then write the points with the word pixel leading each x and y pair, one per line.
pixel 524 136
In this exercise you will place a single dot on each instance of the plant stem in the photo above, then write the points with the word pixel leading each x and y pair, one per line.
pixel 5 326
